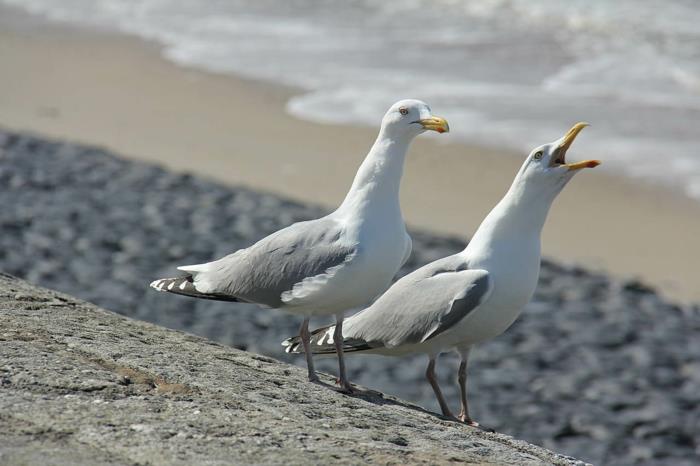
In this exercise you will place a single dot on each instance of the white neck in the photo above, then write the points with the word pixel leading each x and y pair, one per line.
pixel 518 219
pixel 377 182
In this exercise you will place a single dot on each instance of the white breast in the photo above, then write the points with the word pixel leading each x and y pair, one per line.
pixel 514 272
pixel 363 277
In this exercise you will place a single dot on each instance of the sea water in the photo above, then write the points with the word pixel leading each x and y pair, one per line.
pixel 506 73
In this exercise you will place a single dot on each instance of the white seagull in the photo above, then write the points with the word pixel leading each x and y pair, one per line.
pixel 332 264
pixel 461 300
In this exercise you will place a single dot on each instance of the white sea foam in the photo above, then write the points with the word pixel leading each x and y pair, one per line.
pixel 515 72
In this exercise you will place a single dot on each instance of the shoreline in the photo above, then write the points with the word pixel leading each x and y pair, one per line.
pixel 117 91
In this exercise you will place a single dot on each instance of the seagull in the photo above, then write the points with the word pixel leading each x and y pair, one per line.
pixel 332 264
pixel 455 302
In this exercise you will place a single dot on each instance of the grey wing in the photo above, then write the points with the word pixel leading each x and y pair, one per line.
pixel 273 265
pixel 478 287
pixel 421 305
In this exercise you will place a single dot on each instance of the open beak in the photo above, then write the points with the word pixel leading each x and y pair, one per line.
pixel 559 158
pixel 584 164
pixel 435 123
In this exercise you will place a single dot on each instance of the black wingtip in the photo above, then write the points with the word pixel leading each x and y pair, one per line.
pixel 185 286
pixel 322 343
pixel 292 344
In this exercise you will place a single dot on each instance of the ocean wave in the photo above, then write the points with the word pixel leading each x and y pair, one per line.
pixel 513 73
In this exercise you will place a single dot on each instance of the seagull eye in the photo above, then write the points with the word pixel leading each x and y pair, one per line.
pixel 538 155
pixel 403 110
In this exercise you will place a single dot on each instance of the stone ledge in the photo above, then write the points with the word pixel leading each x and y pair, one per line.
pixel 81 385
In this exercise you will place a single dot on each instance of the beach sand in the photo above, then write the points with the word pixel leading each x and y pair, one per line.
pixel 117 92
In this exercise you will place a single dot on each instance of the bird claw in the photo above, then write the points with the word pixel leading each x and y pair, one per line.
pixel 471 423
pixel 345 386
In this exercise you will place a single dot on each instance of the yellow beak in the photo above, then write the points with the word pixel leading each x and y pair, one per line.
pixel 435 123
pixel 584 164
pixel 568 139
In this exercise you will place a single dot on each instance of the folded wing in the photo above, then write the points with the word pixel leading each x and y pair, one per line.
pixel 263 272
pixel 422 305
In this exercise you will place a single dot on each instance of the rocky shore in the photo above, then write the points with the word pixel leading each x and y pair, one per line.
pixel 602 370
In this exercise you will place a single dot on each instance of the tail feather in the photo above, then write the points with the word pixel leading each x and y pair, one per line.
pixel 195 268
pixel 185 286
pixel 322 343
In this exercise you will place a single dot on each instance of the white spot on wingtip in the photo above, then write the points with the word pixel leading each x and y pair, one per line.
pixel 183 285
pixel 171 286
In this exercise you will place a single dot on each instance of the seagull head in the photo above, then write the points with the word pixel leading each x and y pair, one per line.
pixel 409 118
pixel 546 167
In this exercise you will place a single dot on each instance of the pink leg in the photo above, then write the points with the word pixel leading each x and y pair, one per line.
pixel 306 341
pixel 338 341
pixel 430 375
pixel 462 378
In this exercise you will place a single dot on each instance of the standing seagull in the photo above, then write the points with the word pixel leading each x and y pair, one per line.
pixel 464 299
pixel 332 264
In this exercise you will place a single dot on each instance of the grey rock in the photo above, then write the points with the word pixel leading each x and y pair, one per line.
pixel 81 385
